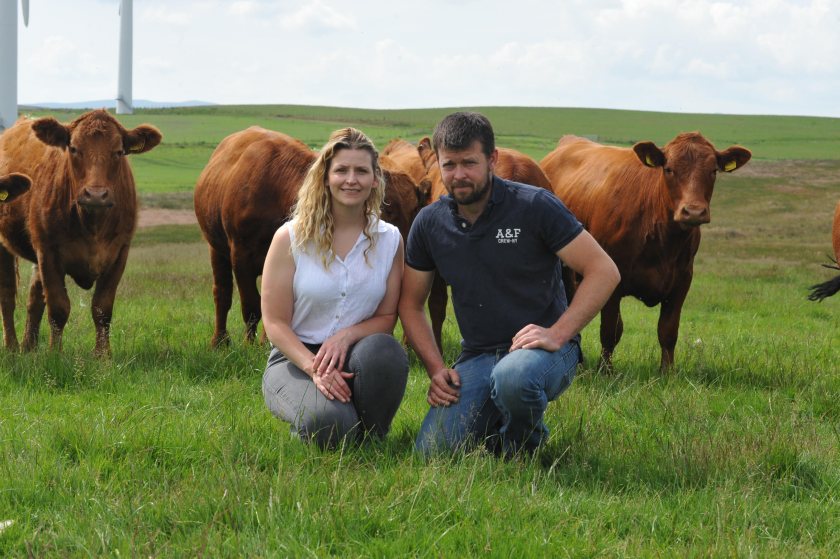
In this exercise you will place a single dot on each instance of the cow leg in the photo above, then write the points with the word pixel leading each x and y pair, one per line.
pixel 612 327
pixel 222 295
pixel 55 295
pixel 102 303
pixel 8 297
pixel 34 310
pixel 438 298
pixel 570 282
pixel 669 321
pixel 249 296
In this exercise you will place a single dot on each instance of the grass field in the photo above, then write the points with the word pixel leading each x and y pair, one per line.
pixel 167 449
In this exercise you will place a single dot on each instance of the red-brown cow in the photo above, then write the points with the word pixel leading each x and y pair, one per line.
pixel 511 165
pixel 78 218
pixel 832 286
pixel 242 197
pixel 12 186
pixel 644 206
pixel 406 157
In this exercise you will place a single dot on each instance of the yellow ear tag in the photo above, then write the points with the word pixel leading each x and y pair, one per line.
pixel 649 161
pixel 730 166
pixel 3 195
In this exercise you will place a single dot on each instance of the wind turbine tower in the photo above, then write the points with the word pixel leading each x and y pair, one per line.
pixel 125 103
pixel 8 59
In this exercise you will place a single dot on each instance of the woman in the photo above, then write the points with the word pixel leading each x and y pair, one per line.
pixel 330 288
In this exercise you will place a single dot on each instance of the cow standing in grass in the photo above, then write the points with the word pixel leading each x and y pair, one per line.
pixel 242 197
pixel 78 218
pixel 645 206
pixel 832 286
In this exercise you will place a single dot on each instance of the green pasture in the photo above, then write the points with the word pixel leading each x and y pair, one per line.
pixel 191 134
pixel 167 449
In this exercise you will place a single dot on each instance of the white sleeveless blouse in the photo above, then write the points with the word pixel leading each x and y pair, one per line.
pixel 346 293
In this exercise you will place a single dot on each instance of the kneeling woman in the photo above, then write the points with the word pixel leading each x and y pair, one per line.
pixel 330 288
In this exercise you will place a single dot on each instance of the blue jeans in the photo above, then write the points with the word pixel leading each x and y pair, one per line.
pixel 503 399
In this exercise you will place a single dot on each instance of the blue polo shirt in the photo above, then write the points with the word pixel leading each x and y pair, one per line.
pixel 503 269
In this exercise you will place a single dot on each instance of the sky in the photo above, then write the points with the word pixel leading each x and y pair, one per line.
pixel 776 57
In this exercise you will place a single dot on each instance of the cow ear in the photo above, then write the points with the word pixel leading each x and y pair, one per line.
pixel 142 139
pixel 649 154
pixel 51 132
pixel 12 186
pixel 424 191
pixel 733 158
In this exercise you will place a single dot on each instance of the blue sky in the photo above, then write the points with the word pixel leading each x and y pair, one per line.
pixel 737 57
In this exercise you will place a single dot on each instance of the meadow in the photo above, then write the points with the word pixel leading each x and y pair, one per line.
pixel 168 450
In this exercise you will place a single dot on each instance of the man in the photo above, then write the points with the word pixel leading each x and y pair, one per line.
pixel 498 244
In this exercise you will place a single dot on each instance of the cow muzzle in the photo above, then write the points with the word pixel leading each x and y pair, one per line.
pixel 96 198
pixel 692 215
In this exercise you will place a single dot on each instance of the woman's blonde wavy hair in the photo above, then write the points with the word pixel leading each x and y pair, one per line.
pixel 312 214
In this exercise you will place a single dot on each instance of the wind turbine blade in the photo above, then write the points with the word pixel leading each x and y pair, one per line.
pixel 24 4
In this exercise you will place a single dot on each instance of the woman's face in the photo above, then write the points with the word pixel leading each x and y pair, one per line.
pixel 350 177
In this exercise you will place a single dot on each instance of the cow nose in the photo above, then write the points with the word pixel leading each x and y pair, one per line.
pixel 694 215
pixel 95 196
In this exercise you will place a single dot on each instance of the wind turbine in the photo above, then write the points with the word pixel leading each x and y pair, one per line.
pixel 8 59
pixel 125 103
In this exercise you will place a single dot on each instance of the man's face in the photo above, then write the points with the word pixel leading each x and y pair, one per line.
pixel 466 174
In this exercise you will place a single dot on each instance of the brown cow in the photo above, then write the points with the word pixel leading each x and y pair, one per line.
pixel 644 206
pixel 242 197
pixel 406 157
pixel 511 165
pixel 832 286
pixel 77 219
pixel 12 186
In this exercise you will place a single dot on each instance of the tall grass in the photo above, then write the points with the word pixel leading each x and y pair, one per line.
pixel 167 449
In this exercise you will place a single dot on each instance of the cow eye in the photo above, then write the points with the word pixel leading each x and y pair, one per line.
pixel 669 171
pixel 73 150
pixel 119 153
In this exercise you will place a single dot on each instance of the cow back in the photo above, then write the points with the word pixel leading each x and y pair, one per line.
pixel 609 190
pixel 249 186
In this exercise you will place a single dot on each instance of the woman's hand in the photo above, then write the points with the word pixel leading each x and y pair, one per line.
pixel 328 364
pixel 333 384
pixel 333 352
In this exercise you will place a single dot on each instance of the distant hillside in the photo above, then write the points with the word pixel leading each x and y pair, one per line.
pixel 112 104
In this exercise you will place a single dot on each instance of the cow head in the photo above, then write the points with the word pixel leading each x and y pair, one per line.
pixel 12 186
pixel 95 147
pixel 689 165
pixel 401 204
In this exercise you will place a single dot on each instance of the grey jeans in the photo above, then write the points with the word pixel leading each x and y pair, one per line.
pixel 380 368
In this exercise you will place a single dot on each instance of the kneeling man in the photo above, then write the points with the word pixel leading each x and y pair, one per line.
pixel 498 244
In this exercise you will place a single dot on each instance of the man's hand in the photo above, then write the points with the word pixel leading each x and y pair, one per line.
pixel 444 388
pixel 537 337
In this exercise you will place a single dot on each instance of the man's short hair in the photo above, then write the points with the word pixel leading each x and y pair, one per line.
pixel 458 131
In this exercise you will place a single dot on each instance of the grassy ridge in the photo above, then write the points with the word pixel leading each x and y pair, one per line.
pixel 168 450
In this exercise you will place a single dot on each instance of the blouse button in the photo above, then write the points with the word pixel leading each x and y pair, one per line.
pixel 343 294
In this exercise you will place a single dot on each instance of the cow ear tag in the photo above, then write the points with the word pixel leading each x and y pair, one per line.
pixel 730 166
pixel 3 195
pixel 137 148
pixel 649 161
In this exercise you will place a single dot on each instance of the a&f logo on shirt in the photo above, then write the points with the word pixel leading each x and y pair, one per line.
pixel 507 236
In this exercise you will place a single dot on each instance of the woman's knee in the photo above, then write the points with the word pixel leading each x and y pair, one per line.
pixel 325 429
pixel 381 353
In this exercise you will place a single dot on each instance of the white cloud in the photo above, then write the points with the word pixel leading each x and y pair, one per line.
pixel 317 16
pixel 165 15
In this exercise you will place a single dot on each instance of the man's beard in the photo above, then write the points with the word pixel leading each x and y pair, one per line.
pixel 472 196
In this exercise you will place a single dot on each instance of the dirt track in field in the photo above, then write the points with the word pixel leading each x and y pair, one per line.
pixel 151 217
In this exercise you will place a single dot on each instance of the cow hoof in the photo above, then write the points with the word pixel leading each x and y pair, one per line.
pixel 220 341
